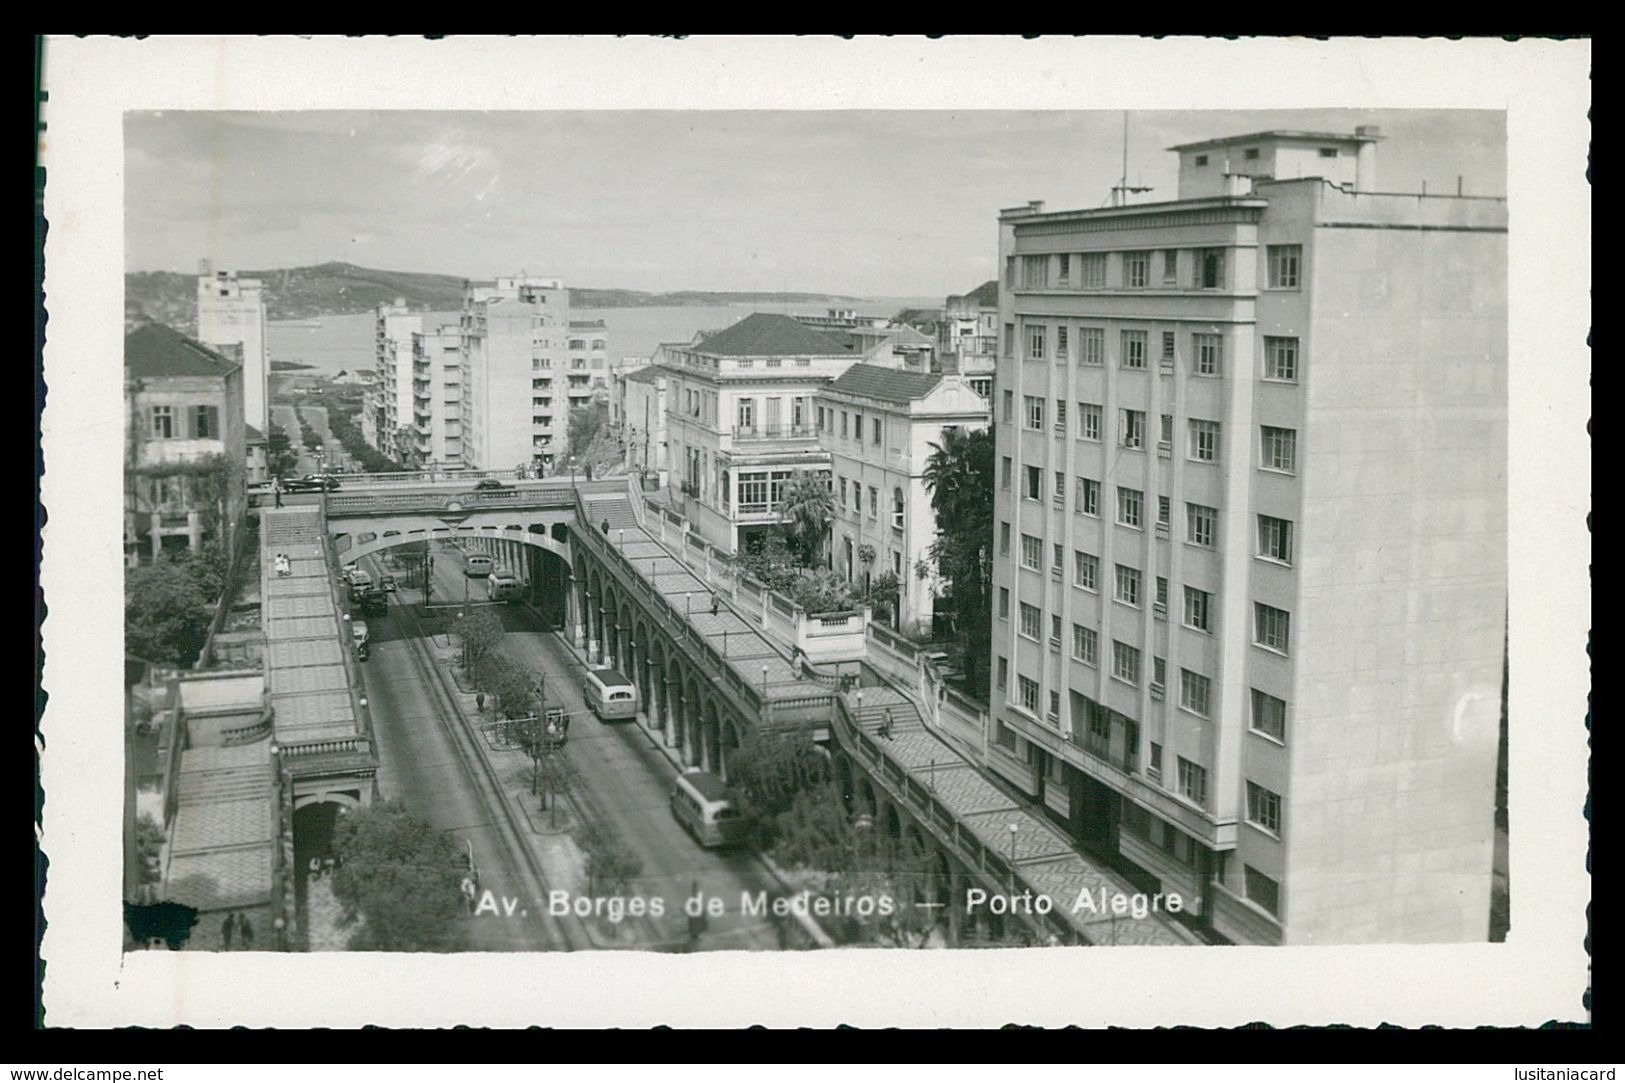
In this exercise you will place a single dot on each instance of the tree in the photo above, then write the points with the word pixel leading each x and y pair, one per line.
pixel 816 590
pixel 959 473
pixel 479 632
pixel 166 613
pixel 808 510
pixel 149 845
pixel 401 876
pixel 767 771
pixel 509 682
pixel 612 865
pixel 585 422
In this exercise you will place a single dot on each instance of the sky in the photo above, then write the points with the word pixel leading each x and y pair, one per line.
pixel 865 203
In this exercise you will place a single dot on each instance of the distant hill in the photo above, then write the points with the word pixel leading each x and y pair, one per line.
pixel 331 289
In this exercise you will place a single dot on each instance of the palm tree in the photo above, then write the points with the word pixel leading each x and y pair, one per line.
pixel 959 473
pixel 808 509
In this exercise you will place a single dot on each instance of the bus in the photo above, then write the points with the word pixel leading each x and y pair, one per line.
pixel 477 564
pixel 502 586
pixel 610 695
pixel 700 802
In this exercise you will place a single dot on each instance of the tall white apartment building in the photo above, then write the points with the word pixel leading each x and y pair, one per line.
pixel 437 398
pixel 393 327
pixel 231 319
pixel 1250 549
pixel 515 341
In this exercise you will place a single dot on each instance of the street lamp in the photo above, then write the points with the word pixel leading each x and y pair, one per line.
pixel 1014 831
pixel 764 680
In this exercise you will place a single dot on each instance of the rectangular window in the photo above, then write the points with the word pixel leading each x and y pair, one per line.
pixel 1129 503
pixel 843 422
pixel 1201 525
pixel 1004 603
pixel 1004 679
pixel 1275 539
pixel 1009 341
pixel 1167 348
pixel 1004 474
pixel 1263 890
pixel 1128 585
pixel 1088 421
pixel 1058 559
pixel 1065 270
pixel 1055 631
pixel 1085 645
pixel 1263 808
pixel 1059 496
pixel 1031 621
pixel 1280 359
pixel 1153 764
pixel 1280 450
pixel 1208 269
pixel 1004 536
pixel 857 427
pixel 163 422
pixel 1198 609
pixel 1164 512
pixel 1035 343
pixel 857 497
pixel 1271 627
pixel 876 428
pixel 1136 270
pixel 1010 272
pixel 1032 551
pixel 1035 272
pixel 1269 715
pixel 1091 346
pixel 1193 781
pixel 1009 410
pixel 205 422
pixel 1125 662
pixel 1209 355
pixel 1194 690
pixel 1060 340
pixel 747 414
pixel 1033 489
pixel 1092 271
pixel 1131 428
pixel 1162 593
pixel 1035 411
pixel 1055 699
pixel 1085 570
pixel 1029 693
pixel 1284 265
pixel 1088 497
pixel 1328 152
pixel 1204 440
pixel 1170 265
pixel 874 502
pixel 1134 349
pixel 1060 415
pixel 1003 735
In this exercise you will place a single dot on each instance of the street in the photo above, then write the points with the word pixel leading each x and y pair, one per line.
pixel 624 779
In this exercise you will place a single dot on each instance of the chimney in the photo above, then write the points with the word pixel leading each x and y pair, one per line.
pixel 1035 205
pixel 1365 158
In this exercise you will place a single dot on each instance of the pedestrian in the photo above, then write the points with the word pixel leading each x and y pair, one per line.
pixel 885 725
pixel 605 528
pixel 716 604
pixel 228 927
pixel 245 932
pixel 277 488
pixel 479 700
pixel 315 868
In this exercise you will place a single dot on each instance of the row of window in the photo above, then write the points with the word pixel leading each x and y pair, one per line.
pixel 186 422
pixel 1278 446
pixel 1138 270
pixel 1271 626
pixel 772 363
pixel 874 500
pixel 1274 535
pixel 826 423
pixel 1206 356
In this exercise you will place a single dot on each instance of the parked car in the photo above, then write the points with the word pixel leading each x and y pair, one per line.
pixel 491 485
pixel 311 483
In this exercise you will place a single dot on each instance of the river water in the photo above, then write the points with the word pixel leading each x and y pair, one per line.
pixel 331 344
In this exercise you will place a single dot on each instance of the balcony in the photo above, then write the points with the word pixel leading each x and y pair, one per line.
pixel 773 432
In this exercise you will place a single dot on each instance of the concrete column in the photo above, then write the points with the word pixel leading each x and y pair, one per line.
pixel 956 907
pixel 668 712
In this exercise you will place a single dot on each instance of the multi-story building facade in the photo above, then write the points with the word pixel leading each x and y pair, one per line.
pixel 1250 549
pixel 437 399
pixel 231 319
pixel 588 376
pixel 970 334
pixel 878 425
pixel 739 421
pixel 642 416
pixel 393 327
pixel 515 341
pixel 184 444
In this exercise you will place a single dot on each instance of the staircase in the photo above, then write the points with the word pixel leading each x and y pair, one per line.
pixel 905 717
pixel 613 507
pixel 224 784
pixel 283 528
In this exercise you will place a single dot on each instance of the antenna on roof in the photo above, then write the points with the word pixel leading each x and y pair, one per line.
pixel 1122 189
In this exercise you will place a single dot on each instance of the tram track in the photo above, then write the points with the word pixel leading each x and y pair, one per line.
pixel 567 933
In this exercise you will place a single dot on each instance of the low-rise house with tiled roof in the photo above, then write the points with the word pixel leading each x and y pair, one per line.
pixel 739 421
pixel 878 424
pixel 185 444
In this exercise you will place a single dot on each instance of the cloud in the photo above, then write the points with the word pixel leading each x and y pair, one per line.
pixel 460 166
